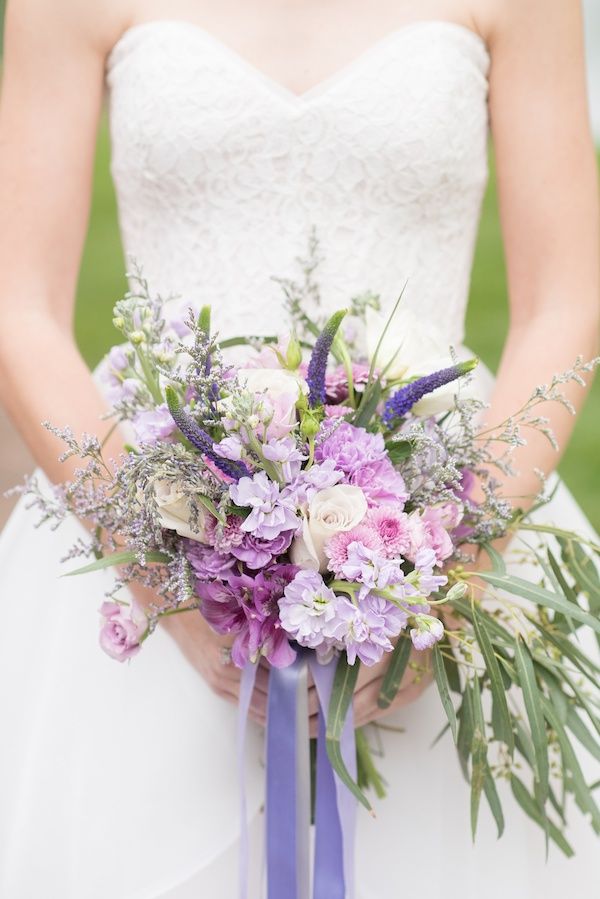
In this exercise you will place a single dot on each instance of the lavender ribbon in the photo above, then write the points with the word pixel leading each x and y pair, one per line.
pixel 335 816
pixel 288 788
pixel 246 689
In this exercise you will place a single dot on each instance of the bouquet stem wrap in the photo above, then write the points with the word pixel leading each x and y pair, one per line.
pixel 288 788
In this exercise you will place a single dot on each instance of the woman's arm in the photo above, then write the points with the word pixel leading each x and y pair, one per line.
pixel 548 191
pixel 49 110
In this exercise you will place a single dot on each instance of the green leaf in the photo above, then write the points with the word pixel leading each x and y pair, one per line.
pixel 533 706
pixel 441 679
pixel 520 587
pixel 501 720
pixel 341 696
pixel 368 405
pixel 583 569
pixel 210 507
pixel 491 794
pixel 479 765
pixel 245 341
pixel 451 665
pixel 581 790
pixel 122 558
pixel 465 733
pixel 395 672
pixel 496 559
pixel 560 532
pixel 398 450
pixel 580 731
pixel 531 808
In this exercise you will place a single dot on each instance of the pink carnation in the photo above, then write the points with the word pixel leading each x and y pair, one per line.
pixel 336 548
pixel 427 532
pixel 392 526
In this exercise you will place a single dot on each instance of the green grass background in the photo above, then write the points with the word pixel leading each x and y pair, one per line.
pixel 102 282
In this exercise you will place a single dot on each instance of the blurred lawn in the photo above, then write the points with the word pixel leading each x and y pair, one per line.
pixel 102 282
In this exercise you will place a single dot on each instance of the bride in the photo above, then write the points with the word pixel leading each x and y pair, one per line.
pixel 237 127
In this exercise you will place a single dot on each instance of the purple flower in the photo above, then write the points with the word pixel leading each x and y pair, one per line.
pixel 427 632
pixel 287 454
pixel 272 512
pixel 154 425
pixel 402 401
pixel 337 549
pixel 317 367
pixel 351 448
pixel 229 448
pixel 426 581
pixel 427 532
pixel 122 630
pixel 368 627
pixel 391 524
pixel 117 358
pixel 380 482
pixel 257 553
pixel 336 382
pixel 248 607
pixel 312 480
pixel 208 563
pixel 307 607
pixel 367 566
pixel 200 439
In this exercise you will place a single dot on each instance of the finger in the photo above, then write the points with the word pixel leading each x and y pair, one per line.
pixel 262 679
pixel 313 701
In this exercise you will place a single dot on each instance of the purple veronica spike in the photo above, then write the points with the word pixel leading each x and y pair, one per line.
pixel 402 401
pixel 201 440
pixel 317 366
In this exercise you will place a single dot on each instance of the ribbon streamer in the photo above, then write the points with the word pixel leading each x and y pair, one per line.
pixel 288 788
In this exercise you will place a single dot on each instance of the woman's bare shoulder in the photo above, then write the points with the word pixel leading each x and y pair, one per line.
pixel 76 23
pixel 518 21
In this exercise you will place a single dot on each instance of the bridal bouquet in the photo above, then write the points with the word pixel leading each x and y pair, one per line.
pixel 316 500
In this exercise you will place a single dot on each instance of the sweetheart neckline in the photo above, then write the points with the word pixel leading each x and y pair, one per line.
pixel 320 87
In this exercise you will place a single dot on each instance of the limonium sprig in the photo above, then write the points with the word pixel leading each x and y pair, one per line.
pixel 403 400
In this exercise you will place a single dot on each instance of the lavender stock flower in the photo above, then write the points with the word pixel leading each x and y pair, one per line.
pixel 317 367
pixel 402 401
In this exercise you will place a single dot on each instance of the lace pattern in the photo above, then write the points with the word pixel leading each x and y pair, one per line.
pixel 220 172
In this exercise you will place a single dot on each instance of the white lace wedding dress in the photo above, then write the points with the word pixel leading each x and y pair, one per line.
pixel 118 781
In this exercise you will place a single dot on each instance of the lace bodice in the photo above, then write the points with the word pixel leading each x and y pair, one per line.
pixel 221 172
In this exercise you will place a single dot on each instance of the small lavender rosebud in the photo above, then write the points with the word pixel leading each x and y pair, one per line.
pixel 201 440
pixel 427 633
pixel 402 401
pixel 317 366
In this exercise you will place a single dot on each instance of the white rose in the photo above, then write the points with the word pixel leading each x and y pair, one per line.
pixel 174 511
pixel 282 389
pixel 339 508
pixel 412 348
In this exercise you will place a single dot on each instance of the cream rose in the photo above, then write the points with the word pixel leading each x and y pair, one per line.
pixel 339 508
pixel 174 511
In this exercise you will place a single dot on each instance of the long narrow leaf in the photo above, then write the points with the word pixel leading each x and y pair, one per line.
pixel 541 597
pixel 122 558
pixel 501 721
pixel 491 794
pixel 479 766
pixel 395 672
pixel 341 697
pixel 530 807
pixel 533 706
pixel 441 679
